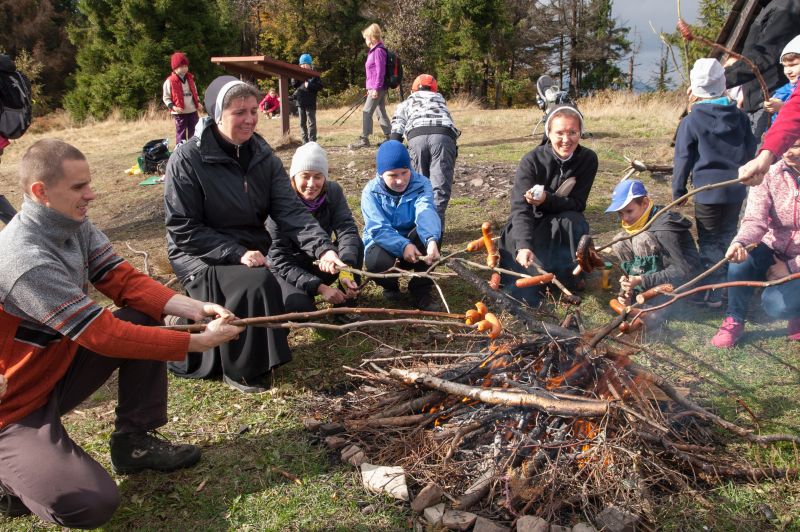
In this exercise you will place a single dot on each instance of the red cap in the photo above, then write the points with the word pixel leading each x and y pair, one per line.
pixel 425 80
pixel 178 59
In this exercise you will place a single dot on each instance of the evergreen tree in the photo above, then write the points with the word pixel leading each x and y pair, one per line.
pixel 39 27
pixel 711 16
pixel 124 48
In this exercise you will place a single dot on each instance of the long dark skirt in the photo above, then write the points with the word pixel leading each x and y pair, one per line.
pixel 555 239
pixel 247 292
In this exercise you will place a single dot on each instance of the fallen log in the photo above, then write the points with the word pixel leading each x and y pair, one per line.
pixel 554 407
pixel 399 421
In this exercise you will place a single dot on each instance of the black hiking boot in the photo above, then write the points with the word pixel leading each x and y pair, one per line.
pixel 393 297
pixel 132 452
pixel 259 384
pixel 427 301
pixel 11 505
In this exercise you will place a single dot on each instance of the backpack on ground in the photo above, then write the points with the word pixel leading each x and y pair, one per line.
pixel 154 156
pixel 16 110
pixel 393 76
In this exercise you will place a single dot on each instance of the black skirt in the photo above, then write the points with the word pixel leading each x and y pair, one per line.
pixel 247 292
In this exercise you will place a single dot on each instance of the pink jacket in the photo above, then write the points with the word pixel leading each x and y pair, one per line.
pixel 376 67
pixel 772 215
pixel 270 104
pixel 786 129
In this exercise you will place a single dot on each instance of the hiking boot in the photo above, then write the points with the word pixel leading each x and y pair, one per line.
pixel 362 142
pixel 11 505
pixel 259 384
pixel 793 330
pixel 392 296
pixel 728 334
pixel 427 301
pixel 132 452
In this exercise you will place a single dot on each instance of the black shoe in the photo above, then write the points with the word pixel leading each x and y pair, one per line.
pixel 259 384
pixel 427 301
pixel 714 298
pixel 11 505
pixel 392 296
pixel 132 452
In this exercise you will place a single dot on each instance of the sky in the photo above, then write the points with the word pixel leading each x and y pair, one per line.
pixel 637 15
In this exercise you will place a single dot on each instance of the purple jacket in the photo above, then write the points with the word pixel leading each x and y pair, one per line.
pixel 376 66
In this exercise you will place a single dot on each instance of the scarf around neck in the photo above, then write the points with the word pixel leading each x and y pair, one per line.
pixel 638 224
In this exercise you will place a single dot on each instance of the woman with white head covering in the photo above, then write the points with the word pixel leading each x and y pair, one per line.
pixel 548 198
pixel 220 188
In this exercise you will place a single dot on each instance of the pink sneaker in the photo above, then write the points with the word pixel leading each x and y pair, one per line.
pixel 793 330
pixel 728 334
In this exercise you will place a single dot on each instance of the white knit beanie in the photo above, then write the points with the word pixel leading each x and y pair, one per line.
pixel 707 78
pixel 310 157
pixel 792 47
pixel 562 109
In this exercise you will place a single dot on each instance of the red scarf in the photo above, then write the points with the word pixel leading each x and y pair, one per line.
pixel 176 86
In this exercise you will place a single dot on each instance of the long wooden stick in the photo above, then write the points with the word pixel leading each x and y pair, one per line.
pixel 366 323
pixel 708 272
pixel 494 396
pixel 294 316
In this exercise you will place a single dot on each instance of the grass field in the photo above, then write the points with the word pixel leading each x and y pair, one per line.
pixel 249 440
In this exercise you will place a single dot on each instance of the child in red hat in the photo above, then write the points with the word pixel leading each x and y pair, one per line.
pixel 180 96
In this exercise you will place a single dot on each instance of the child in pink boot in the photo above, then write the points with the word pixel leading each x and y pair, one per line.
pixel 772 221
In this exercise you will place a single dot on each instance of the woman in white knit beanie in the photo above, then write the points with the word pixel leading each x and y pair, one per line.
pixel 299 278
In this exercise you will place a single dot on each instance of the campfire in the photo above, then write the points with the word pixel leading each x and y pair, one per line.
pixel 552 425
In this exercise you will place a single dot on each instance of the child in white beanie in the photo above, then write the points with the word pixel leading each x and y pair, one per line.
pixel 712 142
pixel 790 59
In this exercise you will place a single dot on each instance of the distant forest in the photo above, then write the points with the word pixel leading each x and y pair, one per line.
pixel 93 56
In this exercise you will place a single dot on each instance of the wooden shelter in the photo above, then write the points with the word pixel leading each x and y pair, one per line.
pixel 261 67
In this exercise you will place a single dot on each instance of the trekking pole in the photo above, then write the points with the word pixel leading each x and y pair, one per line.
pixel 350 110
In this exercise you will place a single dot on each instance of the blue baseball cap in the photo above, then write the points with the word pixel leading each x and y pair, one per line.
pixel 624 192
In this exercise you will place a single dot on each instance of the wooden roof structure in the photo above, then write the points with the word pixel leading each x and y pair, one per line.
pixel 262 67
pixel 734 30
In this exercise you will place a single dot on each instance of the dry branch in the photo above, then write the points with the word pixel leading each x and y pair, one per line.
pixel 554 407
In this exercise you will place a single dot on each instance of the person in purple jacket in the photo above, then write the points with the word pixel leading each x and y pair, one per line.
pixel 376 90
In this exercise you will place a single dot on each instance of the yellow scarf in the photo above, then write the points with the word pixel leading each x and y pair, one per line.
pixel 636 226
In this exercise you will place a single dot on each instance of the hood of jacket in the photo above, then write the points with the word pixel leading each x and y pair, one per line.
pixel 671 221
pixel 718 120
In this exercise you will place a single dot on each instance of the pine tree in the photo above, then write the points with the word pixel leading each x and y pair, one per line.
pixel 124 48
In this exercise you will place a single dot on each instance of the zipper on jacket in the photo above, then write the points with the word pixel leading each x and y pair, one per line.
pixel 245 184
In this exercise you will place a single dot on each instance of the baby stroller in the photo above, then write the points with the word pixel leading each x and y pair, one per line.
pixel 549 96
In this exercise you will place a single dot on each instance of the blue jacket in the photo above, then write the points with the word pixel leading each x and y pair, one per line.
pixel 388 219
pixel 782 93
pixel 713 142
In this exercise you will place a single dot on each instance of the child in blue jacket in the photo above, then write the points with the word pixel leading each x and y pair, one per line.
pixel 713 141
pixel 790 59
pixel 400 224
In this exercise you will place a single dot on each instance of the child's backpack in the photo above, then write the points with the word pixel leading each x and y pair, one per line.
pixel 393 76
pixel 154 156
pixel 16 109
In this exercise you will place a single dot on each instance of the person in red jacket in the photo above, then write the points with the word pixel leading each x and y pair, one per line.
pixel 270 105
pixel 179 94
pixel 59 346
pixel 779 138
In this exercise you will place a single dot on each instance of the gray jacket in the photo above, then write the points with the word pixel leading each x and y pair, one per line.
pixel 216 211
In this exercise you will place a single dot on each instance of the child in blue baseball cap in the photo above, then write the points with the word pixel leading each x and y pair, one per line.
pixel 665 253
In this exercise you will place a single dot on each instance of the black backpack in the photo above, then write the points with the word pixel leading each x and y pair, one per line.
pixel 16 109
pixel 153 153
pixel 393 76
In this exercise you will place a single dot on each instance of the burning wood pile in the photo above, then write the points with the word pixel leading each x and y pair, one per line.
pixel 541 427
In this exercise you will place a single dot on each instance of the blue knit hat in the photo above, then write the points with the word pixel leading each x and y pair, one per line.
pixel 305 59
pixel 392 154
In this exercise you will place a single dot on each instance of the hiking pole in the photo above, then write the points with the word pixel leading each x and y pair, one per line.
pixel 350 110
pixel 353 110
